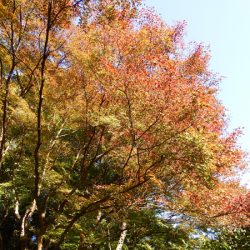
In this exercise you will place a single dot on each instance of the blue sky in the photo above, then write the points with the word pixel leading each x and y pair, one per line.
pixel 224 26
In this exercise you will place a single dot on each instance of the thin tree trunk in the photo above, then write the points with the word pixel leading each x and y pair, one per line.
pixel 1 242
pixel 6 91
pixel 122 236
pixel 40 242
pixel 37 183
pixel 109 244
pixel 27 215
pixel 98 217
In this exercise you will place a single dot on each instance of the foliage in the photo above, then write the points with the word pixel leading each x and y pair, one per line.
pixel 237 239
pixel 108 117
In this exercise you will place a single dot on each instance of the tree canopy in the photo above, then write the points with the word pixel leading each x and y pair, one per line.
pixel 111 130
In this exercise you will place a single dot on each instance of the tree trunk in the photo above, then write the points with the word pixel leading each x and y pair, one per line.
pixel 23 243
pixel 122 236
pixel 24 223
pixel 1 242
pixel 40 242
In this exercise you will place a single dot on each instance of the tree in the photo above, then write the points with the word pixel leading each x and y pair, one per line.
pixel 95 123
pixel 228 239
